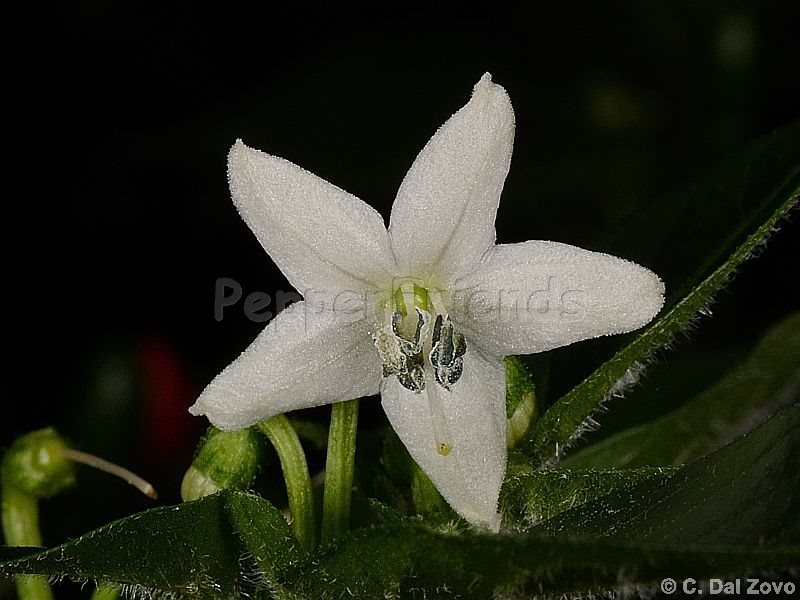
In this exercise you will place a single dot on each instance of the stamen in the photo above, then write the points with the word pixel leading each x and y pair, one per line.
pixel 388 349
pixel 108 467
pixel 402 356
pixel 404 344
pixel 414 345
pixel 447 352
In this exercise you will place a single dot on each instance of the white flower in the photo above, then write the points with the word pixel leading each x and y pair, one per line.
pixel 422 312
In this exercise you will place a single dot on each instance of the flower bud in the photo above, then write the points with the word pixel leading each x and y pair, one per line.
pixel 224 459
pixel 521 407
pixel 35 465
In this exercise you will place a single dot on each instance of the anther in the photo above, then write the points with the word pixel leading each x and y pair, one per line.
pixel 447 352
pixel 401 356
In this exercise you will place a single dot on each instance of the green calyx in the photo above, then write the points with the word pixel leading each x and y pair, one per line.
pixel 224 459
pixel 35 465
pixel 521 406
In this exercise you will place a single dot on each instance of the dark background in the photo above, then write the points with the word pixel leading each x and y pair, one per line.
pixel 118 219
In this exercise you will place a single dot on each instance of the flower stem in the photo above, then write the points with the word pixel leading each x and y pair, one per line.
pixel 295 473
pixel 339 470
pixel 20 517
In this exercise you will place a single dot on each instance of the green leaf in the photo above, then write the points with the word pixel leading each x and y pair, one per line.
pixel 746 493
pixel 11 553
pixel 366 563
pixel 753 192
pixel 709 519
pixel 530 498
pixel 669 382
pixel 415 561
pixel 766 381
pixel 161 549
pixel 628 528
pixel 265 535
pixel 189 550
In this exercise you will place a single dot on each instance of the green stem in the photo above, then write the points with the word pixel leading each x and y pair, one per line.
pixel 427 499
pixel 20 517
pixel 106 591
pixel 295 473
pixel 339 470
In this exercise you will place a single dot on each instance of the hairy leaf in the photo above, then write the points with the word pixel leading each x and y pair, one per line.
pixel 531 498
pixel 188 551
pixel 746 493
pixel 418 562
pixel 766 381
pixel 265 535
pixel 751 193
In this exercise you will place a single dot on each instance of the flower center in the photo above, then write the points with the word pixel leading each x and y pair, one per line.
pixel 421 355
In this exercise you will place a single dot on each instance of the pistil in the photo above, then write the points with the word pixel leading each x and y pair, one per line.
pixel 441 436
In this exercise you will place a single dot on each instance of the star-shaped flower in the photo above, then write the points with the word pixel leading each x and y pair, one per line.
pixel 423 312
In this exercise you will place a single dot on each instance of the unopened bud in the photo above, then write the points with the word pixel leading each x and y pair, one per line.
pixel 224 459
pixel 521 407
pixel 35 465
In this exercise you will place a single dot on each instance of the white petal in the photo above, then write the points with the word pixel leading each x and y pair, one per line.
pixel 470 477
pixel 303 358
pixel 443 218
pixel 320 236
pixel 534 296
